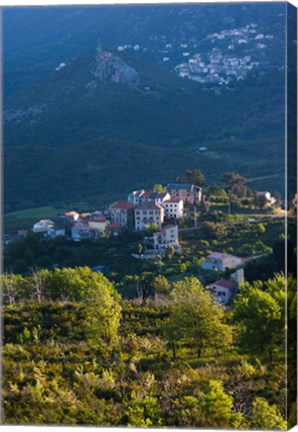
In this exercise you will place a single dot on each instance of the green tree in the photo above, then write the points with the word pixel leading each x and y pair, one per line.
pixel 38 282
pixel 216 191
pixel 218 407
pixel 149 230
pixel 196 319
pixel 215 230
pixel 161 285
pixel 259 312
pixel 235 184
pixel 260 201
pixel 159 188
pixel 264 416
pixel 195 177
pixel 144 285
pixel 260 228
pixel 103 310
pixel 170 252
pixel 13 288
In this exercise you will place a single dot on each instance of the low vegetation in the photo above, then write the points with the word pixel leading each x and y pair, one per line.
pixel 149 363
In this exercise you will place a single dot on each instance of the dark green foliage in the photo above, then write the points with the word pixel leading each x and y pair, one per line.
pixel 259 310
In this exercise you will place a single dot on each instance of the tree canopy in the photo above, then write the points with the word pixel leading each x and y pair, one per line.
pixel 196 319
pixel 259 312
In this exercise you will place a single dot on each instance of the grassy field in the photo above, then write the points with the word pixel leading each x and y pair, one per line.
pixel 24 219
pixel 37 212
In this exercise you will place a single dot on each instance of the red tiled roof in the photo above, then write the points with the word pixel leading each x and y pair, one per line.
pixel 225 284
pixel 149 206
pixel 172 201
pixel 71 213
pixel 123 205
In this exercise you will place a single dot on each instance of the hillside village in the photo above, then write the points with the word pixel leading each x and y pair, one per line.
pixel 159 213
pixel 237 53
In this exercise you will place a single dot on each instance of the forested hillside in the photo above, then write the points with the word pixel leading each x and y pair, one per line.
pixel 163 362
pixel 138 90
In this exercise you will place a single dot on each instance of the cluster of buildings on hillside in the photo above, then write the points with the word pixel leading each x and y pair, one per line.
pixel 217 67
pixel 224 289
pixel 141 210
pixel 230 60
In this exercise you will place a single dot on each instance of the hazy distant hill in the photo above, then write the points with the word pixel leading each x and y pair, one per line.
pixel 38 39
pixel 76 115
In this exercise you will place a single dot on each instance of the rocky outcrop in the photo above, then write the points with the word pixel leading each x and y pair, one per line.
pixel 111 68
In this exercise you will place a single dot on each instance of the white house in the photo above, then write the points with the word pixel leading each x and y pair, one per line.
pixel 159 197
pixel 168 236
pixel 223 290
pixel 141 197
pixel 267 195
pixel 238 277
pixel 173 208
pixel 43 226
pixel 220 261
pixel 148 214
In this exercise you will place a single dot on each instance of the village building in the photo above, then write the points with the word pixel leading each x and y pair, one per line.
pixel 168 236
pixel 148 214
pixel 23 233
pixel 72 216
pixel 81 231
pixel 135 197
pixel 223 290
pixel 221 261
pixel 141 197
pixel 173 208
pixel 54 232
pixel 85 216
pixel 122 213
pixel 159 197
pixel 99 225
pixel 43 226
pixel 189 194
